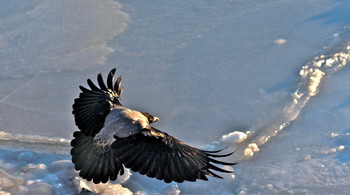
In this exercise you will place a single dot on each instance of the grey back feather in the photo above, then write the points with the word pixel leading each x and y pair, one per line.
pixel 121 122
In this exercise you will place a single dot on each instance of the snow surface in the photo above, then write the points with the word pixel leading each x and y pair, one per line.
pixel 270 75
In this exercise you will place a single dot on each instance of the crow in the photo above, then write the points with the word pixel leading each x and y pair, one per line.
pixel 112 135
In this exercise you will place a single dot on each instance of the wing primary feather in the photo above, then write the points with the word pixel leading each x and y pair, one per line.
pixel 210 166
pixel 120 91
pixel 93 86
pixel 220 162
pixel 213 174
pixel 191 168
pixel 199 159
pixel 83 89
pixel 219 155
pixel 197 165
pixel 117 85
pixel 203 177
pixel 101 82
pixel 110 79
pixel 214 151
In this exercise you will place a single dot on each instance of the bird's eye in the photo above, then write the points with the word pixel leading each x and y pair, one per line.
pixel 150 119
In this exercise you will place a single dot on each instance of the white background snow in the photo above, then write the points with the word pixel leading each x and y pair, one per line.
pixel 206 68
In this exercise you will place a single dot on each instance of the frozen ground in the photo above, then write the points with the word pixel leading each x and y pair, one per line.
pixel 206 68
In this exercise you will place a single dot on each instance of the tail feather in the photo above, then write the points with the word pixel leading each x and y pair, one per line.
pixel 94 162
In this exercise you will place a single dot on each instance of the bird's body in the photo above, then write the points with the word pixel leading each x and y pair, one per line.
pixel 121 122
pixel 111 136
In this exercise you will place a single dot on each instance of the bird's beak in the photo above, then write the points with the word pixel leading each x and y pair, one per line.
pixel 155 119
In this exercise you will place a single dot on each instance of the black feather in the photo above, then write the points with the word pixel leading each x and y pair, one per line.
pixel 93 86
pixel 161 156
pixel 94 162
pixel 219 155
pixel 92 106
pixel 117 85
pixel 218 169
pixel 110 79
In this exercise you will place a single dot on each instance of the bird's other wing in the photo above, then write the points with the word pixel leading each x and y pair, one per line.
pixel 94 104
pixel 158 155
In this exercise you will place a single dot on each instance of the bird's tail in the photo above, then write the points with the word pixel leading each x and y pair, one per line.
pixel 95 162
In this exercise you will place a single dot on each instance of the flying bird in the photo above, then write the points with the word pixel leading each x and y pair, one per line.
pixel 112 135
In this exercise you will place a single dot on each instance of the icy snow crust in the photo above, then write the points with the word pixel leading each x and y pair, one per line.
pixel 268 79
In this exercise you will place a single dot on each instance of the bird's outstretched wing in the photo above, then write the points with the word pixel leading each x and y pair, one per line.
pixel 93 105
pixel 159 155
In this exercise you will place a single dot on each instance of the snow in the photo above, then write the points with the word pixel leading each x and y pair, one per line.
pixel 235 136
pixel 249 151
pixel 104 188
pixel 268 79
pixel 280 41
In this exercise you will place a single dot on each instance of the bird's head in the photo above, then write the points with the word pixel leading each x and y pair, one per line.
pixel 150 117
